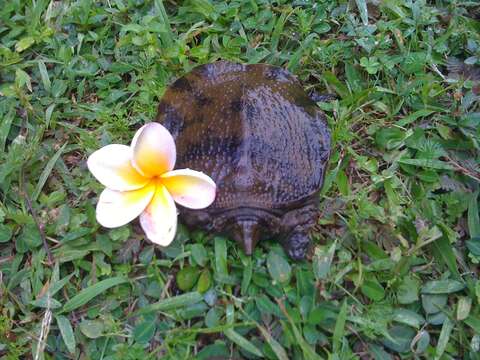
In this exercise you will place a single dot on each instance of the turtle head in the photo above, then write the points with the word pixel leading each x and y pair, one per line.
pixel 246 225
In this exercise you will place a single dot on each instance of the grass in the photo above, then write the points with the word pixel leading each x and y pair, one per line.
pixel 394 269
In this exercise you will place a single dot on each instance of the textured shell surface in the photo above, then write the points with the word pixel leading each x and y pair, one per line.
pixel 252 128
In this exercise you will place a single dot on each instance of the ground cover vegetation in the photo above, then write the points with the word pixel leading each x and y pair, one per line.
pixel 393 272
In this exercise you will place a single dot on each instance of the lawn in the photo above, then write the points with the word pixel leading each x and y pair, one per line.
pixel 393 271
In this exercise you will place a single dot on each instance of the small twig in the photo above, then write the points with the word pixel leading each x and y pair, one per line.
pixel 50 257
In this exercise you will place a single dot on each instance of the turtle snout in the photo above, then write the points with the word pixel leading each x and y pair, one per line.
pixel 246 232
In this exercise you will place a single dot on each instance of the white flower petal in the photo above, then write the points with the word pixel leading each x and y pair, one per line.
pixel 117 208
pixel 159 220
pixel 112 167
pixel 190 188
pixel 154 150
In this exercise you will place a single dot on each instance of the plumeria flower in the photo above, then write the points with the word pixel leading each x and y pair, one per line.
pixel 140 181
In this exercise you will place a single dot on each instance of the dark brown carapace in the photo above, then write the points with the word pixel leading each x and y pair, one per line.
pixel 264 142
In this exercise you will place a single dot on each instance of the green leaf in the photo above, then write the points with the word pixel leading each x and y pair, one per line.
pixel 278 267
pixel 400 338
pixel 30 236
pixel 92 329
pixel 5 233
pixel 174 302
pixel 442 287
pixel 218 350
pixel 443 338
pixel 373 290
pixel 24 43
pixel 238 339
pixel 46 172
pixel 473 245
pixel 408 290
pixel 221 256
pixel 204 281
pixel 91 292
pixel 412 117
pixel 408 317
pixel 144 331
pixel 434 303
pixel 322 260
pixel 187 278
pixel 67 332
pixel 428 163
pixel 362 9
pixel 199 254
pixel 44 75
pixel 473 216
pixel 390 138
pixel 247 276
pixel 339 330
pixel 463 307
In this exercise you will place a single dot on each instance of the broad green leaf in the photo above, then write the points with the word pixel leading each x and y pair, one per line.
pixel 199 254
pixel 204 281
pixel 434 303
pixel 187 278
pixel 442 287
pixel 401 336
pixel 373 290
pixel 408 290
pixel 408 317
pixel 322 261
pixel 144 331
pixel 67 332
pixel 473 245
pixel 5 233
pixel 278 267
pixel 92 328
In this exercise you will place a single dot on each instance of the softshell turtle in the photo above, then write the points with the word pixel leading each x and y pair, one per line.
pixel 262 139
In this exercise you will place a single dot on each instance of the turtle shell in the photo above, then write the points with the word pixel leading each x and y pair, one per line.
pixel 253 129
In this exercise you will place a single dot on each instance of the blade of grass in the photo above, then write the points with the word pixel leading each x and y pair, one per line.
pixel 46 172
pixel 308 352
pixel 339 331
pixel 295 59
pixel 91 292
pixel 473 216
pixel 447 328
pixel 363 10
pixel 167 36
pixel 238 339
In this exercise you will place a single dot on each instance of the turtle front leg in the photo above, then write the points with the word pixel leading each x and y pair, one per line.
pixel 296 245
pixel 297 224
